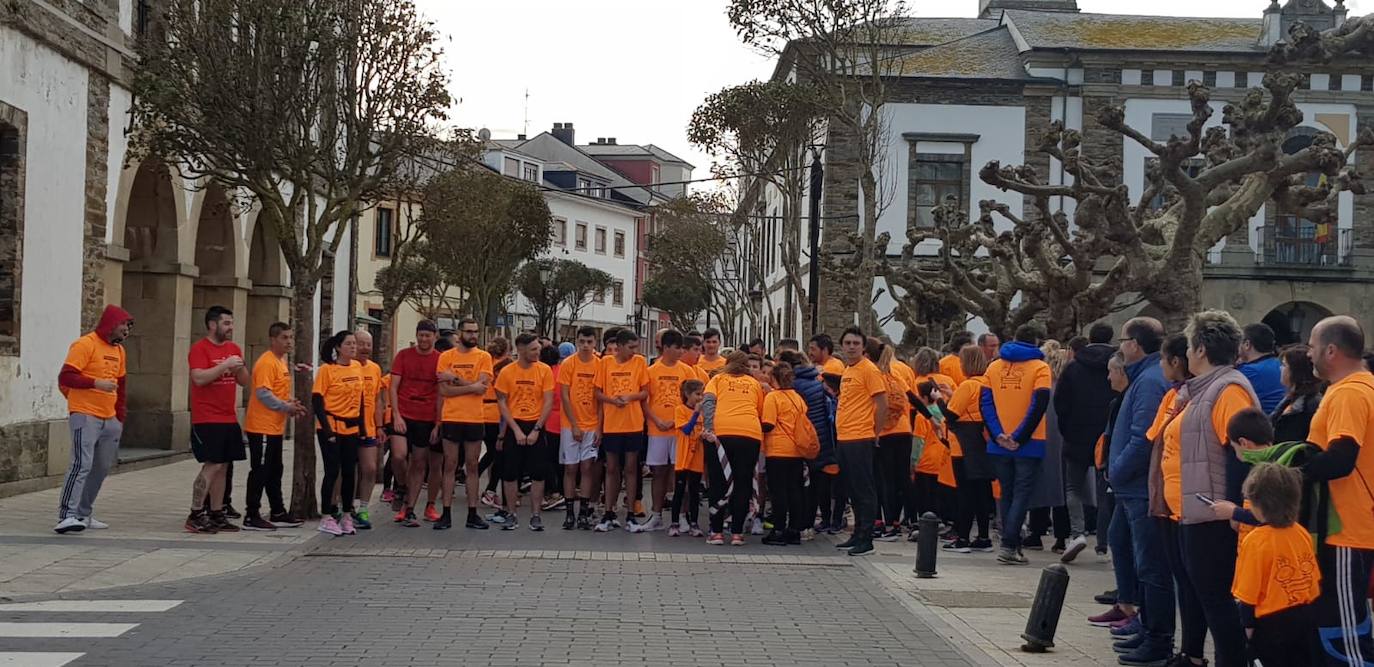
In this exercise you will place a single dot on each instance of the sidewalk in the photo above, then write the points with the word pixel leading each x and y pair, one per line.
pixel 146 542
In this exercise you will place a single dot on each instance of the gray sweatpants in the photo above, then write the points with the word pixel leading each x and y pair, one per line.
pixel 95 446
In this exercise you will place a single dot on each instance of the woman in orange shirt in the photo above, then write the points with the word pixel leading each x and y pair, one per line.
pixel 893 456
pixel 732 414
pixel 338 402
pixel 782 409
pixel 931 435
pixel 973 473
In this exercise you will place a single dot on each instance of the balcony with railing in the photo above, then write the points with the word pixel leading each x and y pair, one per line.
pixel 1295 242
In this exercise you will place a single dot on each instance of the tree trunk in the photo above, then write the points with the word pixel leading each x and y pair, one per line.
pixel 386 341
pixel 304 504
pixel 867 278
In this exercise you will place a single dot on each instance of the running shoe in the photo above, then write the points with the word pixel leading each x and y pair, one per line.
pixel 200 523
pixel 362 519
pixel 673 531
pixel 1106 597
pixel 444 523
pixel 1033 543
pixel 655 522
pixel 569 522
pixel 230 512
pixel 957 546
pixel 1011 557
pixel 736 540
pixel 1127 628
pixel 892 534
pixel 285 520
pixel 499 517
pixel 755 528
pixel 431 513
pixel 793 537
pixel 982 545
pixel 511 524
pixel 400 516
pixel 1058 546
pixel 1107 618
pixel 72 524
pixel 536 524
pixel 774 538
pixel 388 496
pixel 555 501
pixel 607 524
pixel 346 526
pixel 808 535
pixel 94 523
pixel 1129 644
pixel 476 523
pixel 716 539
pixel 258 523
pixel 411 521
pixel 847 544
pixel 221 521
pixel 584 522
pixel 862 549
pixel 490 500
pixel 331 526
pixel 695 531
pixel 1074 547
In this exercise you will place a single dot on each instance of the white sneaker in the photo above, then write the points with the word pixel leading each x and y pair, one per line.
pixel 808 535
pixel 70 524
pixel 95 524
pixel 1075 546
pixel 757 527
pixel 655 522
pixel 606 525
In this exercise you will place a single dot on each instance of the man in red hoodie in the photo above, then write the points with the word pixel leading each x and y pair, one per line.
pixel 92 379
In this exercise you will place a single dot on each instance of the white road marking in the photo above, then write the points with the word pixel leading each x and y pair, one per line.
pixel 93 606
pixel 21 659
pixel 65 629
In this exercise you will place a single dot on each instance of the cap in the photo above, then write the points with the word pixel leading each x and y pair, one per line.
pixel 565 350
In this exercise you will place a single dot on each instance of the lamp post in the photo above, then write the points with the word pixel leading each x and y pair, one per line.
pixel 546 277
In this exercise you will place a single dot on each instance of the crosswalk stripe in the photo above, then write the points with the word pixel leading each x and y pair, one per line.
pixel 65 629
pixel 93 606
pixel 23 659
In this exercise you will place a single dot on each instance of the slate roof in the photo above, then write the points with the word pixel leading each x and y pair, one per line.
pixel 1121 32
pixel 545 146
pixel 635 150
pixel 922 31
pixel 987 55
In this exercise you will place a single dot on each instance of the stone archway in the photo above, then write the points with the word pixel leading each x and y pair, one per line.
pixel 270 297
pixel 1292 322
pixel 156 288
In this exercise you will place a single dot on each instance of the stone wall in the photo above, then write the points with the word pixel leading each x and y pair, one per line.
pixel 23 451
pixel 97 177
pixel 1364 204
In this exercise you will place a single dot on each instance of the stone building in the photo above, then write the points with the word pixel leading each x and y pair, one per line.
pixel 82 226
pixel 973 90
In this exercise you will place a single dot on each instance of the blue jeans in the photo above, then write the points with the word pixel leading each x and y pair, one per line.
pixel 1123 556
pixel 1155 581
pixel 1017 475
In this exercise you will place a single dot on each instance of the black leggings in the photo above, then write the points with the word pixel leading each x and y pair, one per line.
pixel 264 457
pixel 892 464
pixel 827 497
pixel 687 490
pixel 340 463
pixel 786 484
pixel 743 455
pixel 975 503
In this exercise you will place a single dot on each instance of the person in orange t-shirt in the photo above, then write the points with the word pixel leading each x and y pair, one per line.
pixel 690 464
pixel 1343 428
pixel 92 378
pixel 894 444
pixel 859 418
pixel 339 402
pixel 710 362
pixel 783 410
pixel 973 472
pixel 951 364
pixel 464 374
pixel 731 413
pixel 666 376
pixel 369 449
pixel 622 389
pixel 524 395
pixel 1277 578
pixel 581 419
pixel 265 425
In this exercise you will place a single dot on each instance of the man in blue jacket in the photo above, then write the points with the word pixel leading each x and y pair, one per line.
pixel 1151 587
pixel 1259 363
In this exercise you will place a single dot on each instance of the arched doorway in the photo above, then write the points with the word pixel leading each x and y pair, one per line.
pixel 269 299
pixel 217 257
pixel 1292 322
pixel 156 290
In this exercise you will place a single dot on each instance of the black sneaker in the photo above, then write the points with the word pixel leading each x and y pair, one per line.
pixel 1130 644
pixel 231 513
pixel 200 523
pixel 957 546
pixel 475 522
pixel 862 549
pixel 982 545
pixel 221 522
pixel 285 520
pixel 569 522
pixel 584 522
pixel 892 534
pixel 445 522
pixel 774 538
pixel 792 536
pixel 536 524
pixel 511 523
pixel 411 521
pixel 1106 597
pixel 848 544
pixel 1033 543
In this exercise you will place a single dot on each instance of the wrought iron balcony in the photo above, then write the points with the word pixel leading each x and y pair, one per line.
pixel 1296 242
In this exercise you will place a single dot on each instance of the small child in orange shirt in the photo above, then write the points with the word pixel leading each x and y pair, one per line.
pixel 1277 578
pixel 691 458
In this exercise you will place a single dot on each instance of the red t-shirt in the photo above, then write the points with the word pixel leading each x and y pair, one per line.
pixel 213 403
pixel 554 423
pixel 416 393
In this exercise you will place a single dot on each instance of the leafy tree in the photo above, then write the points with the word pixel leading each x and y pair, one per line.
pixel 580 284
pixel 700 243
pixel 493 225
pixel 683 299
pixel 306 106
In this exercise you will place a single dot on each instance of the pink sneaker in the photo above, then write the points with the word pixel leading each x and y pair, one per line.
pixel 1108 618
pixel 329 525
pixel 673 531
pixel 388 496
pixel 346 526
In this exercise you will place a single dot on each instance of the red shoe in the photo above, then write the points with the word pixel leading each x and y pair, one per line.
pixel 401 515
pixel 1108 618
pixel 431 514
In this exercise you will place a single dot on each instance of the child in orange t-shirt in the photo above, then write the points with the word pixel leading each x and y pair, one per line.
pixel 691 458
pixel 1277 578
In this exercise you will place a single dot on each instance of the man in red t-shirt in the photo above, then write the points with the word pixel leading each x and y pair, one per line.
pixel 217 369
pixel 414 395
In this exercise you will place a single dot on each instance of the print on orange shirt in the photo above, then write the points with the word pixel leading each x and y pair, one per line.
pixel 1276 570
pixel 524 389
pixel 580 379
pixel 739 405
pixel 665 392
pixel 782 409
pixel 621 379
pixel 97 360
pixel 854 418
pixel 690 452
pixel 1347 411
pixel 342 390
pixel 469 365
pixel 372 385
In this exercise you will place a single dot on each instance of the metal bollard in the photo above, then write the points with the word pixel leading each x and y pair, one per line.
pixel 1044 613
pixel 927 545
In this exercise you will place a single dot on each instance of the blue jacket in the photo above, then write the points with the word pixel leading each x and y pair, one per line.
pixel 1264 374
pixel 1037 404
pixel 820 409
pixel 1128 466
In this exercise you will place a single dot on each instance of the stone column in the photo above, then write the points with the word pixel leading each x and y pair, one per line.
pixel 159 296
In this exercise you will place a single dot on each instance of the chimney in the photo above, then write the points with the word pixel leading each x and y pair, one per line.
pixel 1271 31
pixel 610 141
pixel 599 141
pixel 520 137
pixel 564 133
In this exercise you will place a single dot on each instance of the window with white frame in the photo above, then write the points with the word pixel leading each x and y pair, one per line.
pixel 618 293
pixel 619 244
pixel 580 242
pixel 600 240
pixel 599 296
pixel 584 186
pixel 531 172
pixel 560 231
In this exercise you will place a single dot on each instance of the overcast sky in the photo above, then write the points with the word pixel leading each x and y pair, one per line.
pixel 636 69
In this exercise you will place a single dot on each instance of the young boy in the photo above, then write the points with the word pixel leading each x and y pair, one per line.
pixel 691 461
pixel 1277 578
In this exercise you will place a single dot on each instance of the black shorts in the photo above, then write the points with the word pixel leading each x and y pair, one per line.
pixel 459 432
pixel 217 443
pixel 620 444
pixel 524 460
pixel 491 432
pixel 417 436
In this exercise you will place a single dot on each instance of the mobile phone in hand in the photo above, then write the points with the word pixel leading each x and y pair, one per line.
pixel 1206 499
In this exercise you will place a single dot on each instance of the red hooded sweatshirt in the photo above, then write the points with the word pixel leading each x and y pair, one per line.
pixel 93 357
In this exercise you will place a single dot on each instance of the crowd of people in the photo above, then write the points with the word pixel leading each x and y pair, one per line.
pixel 1226 480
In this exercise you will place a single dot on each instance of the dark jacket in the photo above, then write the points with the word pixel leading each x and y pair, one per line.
pixel 1264 375
pixel 819 409
pixel 1129 464
pixel 1291 425
pixel 1112 412
pixel 1082 399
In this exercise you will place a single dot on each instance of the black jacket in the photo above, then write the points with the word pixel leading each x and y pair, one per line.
pixel 1082 399
pixel 1291 425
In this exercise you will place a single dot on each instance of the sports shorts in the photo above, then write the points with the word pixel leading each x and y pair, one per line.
pixel 662 450
pixel 217 443
pixel 571 451
pixel 458 432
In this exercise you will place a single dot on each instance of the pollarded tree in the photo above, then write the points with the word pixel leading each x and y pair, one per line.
pixel 1068 271
pixel 580 284
pixel 304 105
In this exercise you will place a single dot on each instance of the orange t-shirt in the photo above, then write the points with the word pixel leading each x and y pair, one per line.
pixel 690 452
pixel 854 416
pixel 1232 399
pixel 665 392
pixel 97 360
pixel 386 396
pixel 1276 570
pixel 342 388
pixel 470 366
pixel 1013 387
pixel 710 367
pixel 372 386
pixel 898 420
pixel 739 405
pixel 950 365
pixel 782 409
pixel 966 400
pixel 620 379
pixel 833 366
pixel 491 412
pixel 524 389
pixel 1347 411
pixel 580 379
pixel 269 372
